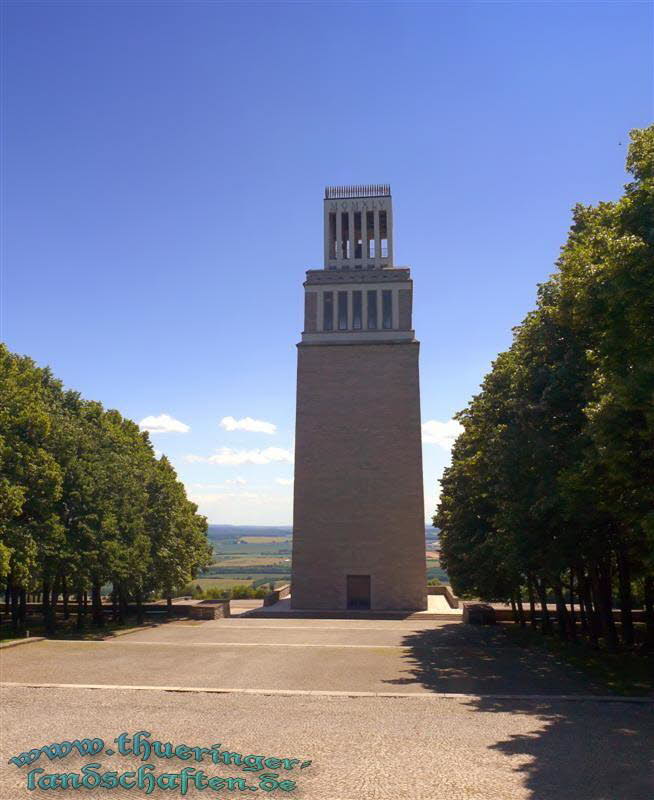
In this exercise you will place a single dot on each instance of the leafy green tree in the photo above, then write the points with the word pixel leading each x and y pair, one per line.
pixel 179 546
pixel 551 486
pixel 85 503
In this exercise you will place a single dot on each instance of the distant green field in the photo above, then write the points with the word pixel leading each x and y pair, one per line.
pixel 245 574
pixel 232 581
pixel 251 549
pixel 248 560
pixel 236 560
pixel 265 539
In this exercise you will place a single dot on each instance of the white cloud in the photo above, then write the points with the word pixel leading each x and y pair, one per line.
pixel 213 498
pixel 441 433
pixel 228 456
pixel 245 507
pixel 210 486
pixel 247 424
pixel 284 481
pixel 432 498
pixel 164 423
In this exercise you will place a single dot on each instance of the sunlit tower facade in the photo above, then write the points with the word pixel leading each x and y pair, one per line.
pixel 358 526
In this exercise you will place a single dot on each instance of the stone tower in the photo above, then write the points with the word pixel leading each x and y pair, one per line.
pixel 358 527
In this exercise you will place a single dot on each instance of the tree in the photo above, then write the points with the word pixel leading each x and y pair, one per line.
pixel 551 487
pixel 85 503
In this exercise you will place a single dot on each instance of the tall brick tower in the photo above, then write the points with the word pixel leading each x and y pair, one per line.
pixel 358 528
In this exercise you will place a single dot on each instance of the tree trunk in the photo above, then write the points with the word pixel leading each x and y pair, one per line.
pixel 22 611
pixel 561 611
pixel 649 610
pixel 122 605
pixel 97 612
pixel 114 603
pixel 583 614
pixel 590 608
pixel 48 616
pixel 12 602
pixel 601 582
pixel 15 609
pixel 626 597
pixel 584 611
pixel 81 610
pixel 521 611
pixel 573 616
pixel 546 621
pixel 7 597
pixel 64 595
pixel 532 603
pixel 55 596
pixel 140 614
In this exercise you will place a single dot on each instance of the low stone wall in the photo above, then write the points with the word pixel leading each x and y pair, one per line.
pixel 446 592
pixel 479 614
pixel 278 594
pixel 210 609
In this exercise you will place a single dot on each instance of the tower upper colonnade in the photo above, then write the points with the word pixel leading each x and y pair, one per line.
pixel 358 227
pixel 359 295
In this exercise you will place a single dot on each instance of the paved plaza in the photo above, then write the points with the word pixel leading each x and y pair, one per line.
pixel 383 708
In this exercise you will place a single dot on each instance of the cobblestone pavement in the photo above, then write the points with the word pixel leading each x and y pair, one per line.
pixel 361 748
pixel 423 746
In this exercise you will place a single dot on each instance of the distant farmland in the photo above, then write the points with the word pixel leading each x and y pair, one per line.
pixel 252 555
pixel 247 556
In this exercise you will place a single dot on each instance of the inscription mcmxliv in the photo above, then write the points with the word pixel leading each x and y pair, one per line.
pixel 358 205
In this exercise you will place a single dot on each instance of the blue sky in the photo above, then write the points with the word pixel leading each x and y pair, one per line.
pixel 164 165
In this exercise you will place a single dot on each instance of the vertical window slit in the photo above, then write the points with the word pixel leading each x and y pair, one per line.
pixel 383 235
pixel 345 234
pixel 328 311
pixel 372 309
pixel 356 310
pixel 370 234
pixel 387 309
pixel 342 311
pixel 358 235
pixel 332 234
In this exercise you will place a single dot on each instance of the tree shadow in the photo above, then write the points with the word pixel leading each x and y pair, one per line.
pixel 576 749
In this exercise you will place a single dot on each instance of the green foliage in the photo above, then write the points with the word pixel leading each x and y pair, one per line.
pixel 213 593
pixel 237 592
pixel 243 592
pixel 552 479
pixel 83 499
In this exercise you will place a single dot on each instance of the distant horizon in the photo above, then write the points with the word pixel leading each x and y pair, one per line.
pixel 276 527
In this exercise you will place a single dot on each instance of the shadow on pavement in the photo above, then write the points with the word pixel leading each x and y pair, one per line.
pixel 577 749
pixel 482 660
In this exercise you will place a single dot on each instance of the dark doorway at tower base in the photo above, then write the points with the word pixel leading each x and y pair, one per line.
pixel 358 592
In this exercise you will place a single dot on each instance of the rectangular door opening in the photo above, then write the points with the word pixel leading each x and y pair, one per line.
pixel 358 592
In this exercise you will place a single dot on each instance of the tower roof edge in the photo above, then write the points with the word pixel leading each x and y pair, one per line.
pixel 358 190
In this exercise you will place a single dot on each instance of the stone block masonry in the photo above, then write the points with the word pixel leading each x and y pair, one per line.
pixel 358 507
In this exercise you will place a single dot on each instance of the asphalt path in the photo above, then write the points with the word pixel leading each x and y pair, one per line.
pixel 328 655
pixel 382 709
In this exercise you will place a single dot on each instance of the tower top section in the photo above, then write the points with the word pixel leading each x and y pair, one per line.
pixel 366 190
pixel 358 227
